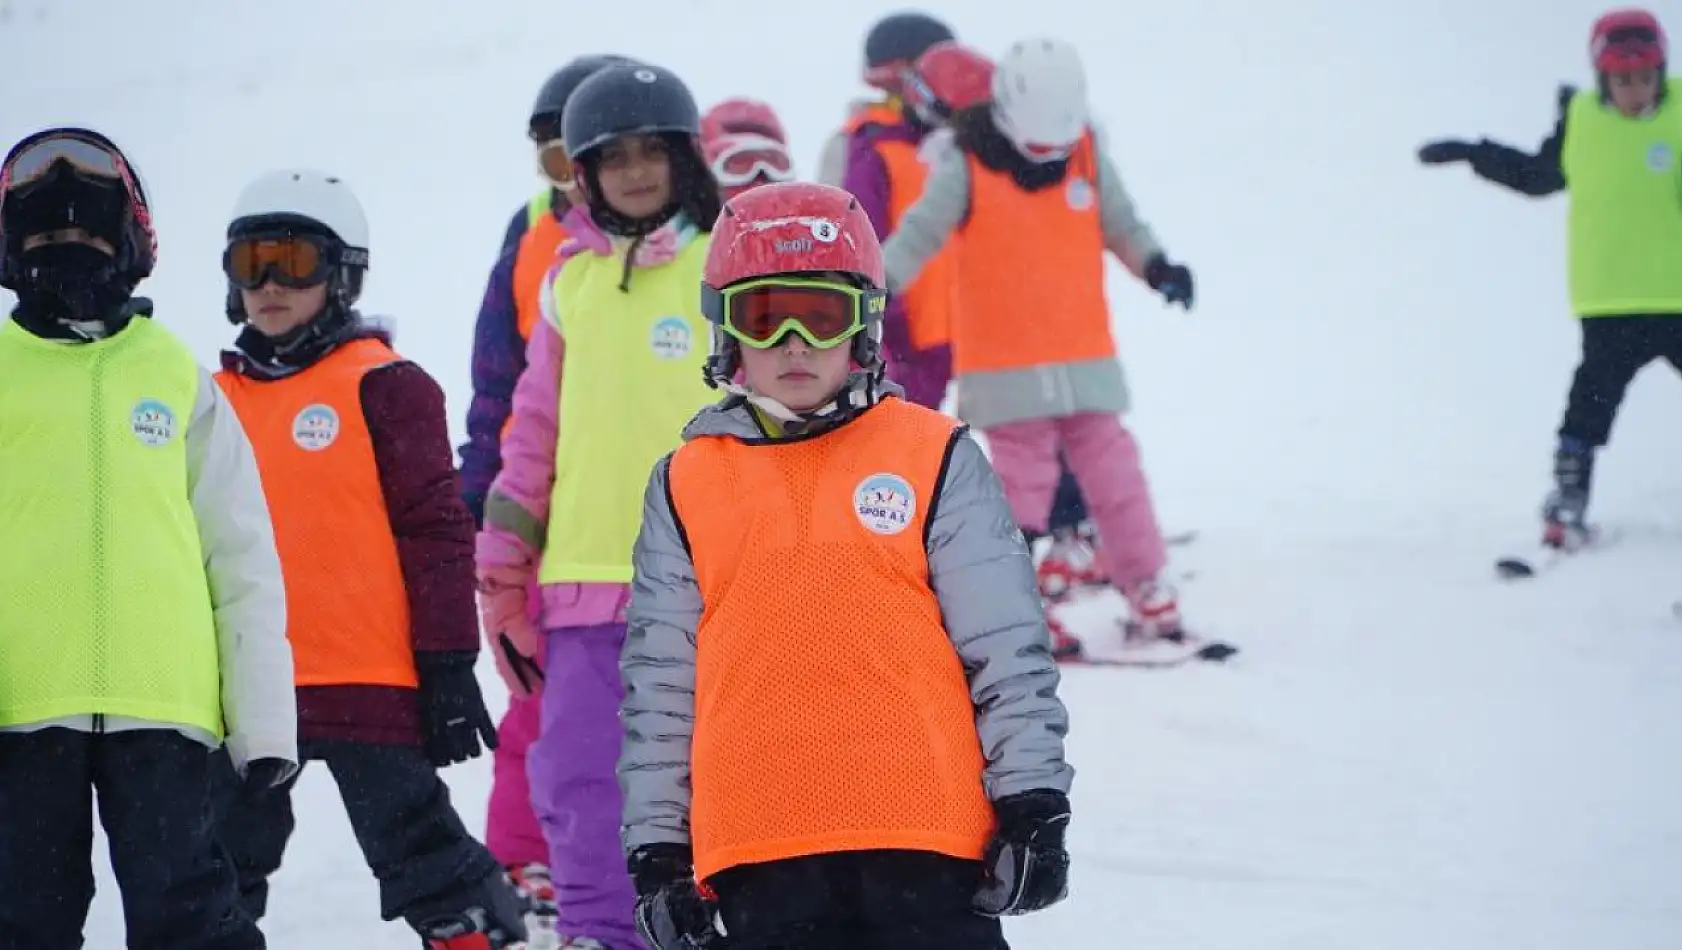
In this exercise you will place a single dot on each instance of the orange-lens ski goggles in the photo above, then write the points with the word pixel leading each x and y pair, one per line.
pixel 292 260
pixel 552 160
pixel 760 313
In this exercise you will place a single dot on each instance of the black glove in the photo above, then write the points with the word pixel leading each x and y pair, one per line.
pixel 265 775
pixel 1446 152
pixel 1172 281
pixel 671 913
pixel 1027 865
pixel 453 717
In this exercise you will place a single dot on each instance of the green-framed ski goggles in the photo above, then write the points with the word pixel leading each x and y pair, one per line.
pixel 825 313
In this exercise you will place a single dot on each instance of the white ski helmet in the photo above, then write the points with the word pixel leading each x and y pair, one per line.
pixel 1040 98
pixel 304 201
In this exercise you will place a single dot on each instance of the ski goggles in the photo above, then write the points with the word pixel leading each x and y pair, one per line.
pixel 760 313
pixel 554 163
pixel 749 157
pixel 290 260
pixel 920 96
pixel 1040 152
pixel 83 156
pixel 1043 153
pixel 1629 48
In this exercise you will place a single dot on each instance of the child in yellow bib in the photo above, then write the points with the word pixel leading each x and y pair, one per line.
pixel 142 604
pixel 612 373
pixel 1618 148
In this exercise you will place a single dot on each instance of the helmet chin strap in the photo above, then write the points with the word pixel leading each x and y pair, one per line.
pixel 859 394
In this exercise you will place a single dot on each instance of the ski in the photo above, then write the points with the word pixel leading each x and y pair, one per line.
pixel 1180 539
pixel 1164 652
pixel 1523 567
pixel 1209 651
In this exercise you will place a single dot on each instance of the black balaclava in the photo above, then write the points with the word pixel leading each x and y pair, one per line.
pixel 70 290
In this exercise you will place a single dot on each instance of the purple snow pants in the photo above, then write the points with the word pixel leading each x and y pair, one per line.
pixel 574 786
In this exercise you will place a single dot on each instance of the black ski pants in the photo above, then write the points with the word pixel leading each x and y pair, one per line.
pixel 155 795
pixel 1615 349
pixel 426 861
pixel 864 900
pixel 1068 506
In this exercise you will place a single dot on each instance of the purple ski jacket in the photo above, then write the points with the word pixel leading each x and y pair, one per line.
pixel 499 355
pixel 923 375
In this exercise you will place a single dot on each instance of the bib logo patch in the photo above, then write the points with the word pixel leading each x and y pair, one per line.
pixel 1079 194
pixel 152 422
pixel 1660 157
pixel 885 503
pixel 671 339
pixel 825 231
pixel 315 427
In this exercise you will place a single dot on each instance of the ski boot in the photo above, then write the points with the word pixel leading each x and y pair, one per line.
pixel 1070 563
pixel 469 930
pixel 1564 511
pixel 1065 646
pixel 537 891
pixel 495 920
pixel 1154 611
pixel 1154 633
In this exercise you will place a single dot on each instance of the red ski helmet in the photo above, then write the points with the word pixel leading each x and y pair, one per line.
pixel 787 229
pixel 948 76
pixel 742 116
pixel 1626 40
pixel 793 227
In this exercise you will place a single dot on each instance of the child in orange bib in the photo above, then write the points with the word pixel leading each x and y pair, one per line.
pixel 842 723
pixel 1027 198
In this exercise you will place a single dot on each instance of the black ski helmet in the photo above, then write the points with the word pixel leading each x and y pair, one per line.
pixel 900 38
pixel 635 98
pixel 550 105
pixel 137 247
pixel 628 99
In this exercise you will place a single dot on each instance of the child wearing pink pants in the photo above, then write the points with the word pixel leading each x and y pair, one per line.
pixel 1027 197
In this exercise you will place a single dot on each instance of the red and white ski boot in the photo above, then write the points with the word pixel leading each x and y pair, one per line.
pixel 1065 646
pixel 537 891
pixel 1153 630
pixel 1154 608
pixel 1069 564
pixel 469 930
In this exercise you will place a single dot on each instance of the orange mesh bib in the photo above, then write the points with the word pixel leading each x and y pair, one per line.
pixel 929 299
pixel 1032 292
pixel 347 607
pixel 832 712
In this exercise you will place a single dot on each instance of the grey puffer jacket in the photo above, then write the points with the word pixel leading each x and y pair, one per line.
pixel 979 570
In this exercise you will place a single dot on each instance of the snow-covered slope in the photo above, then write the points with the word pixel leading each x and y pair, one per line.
pixel 1358 417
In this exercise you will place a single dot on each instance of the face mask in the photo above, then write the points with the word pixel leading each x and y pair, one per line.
pixel 69 284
